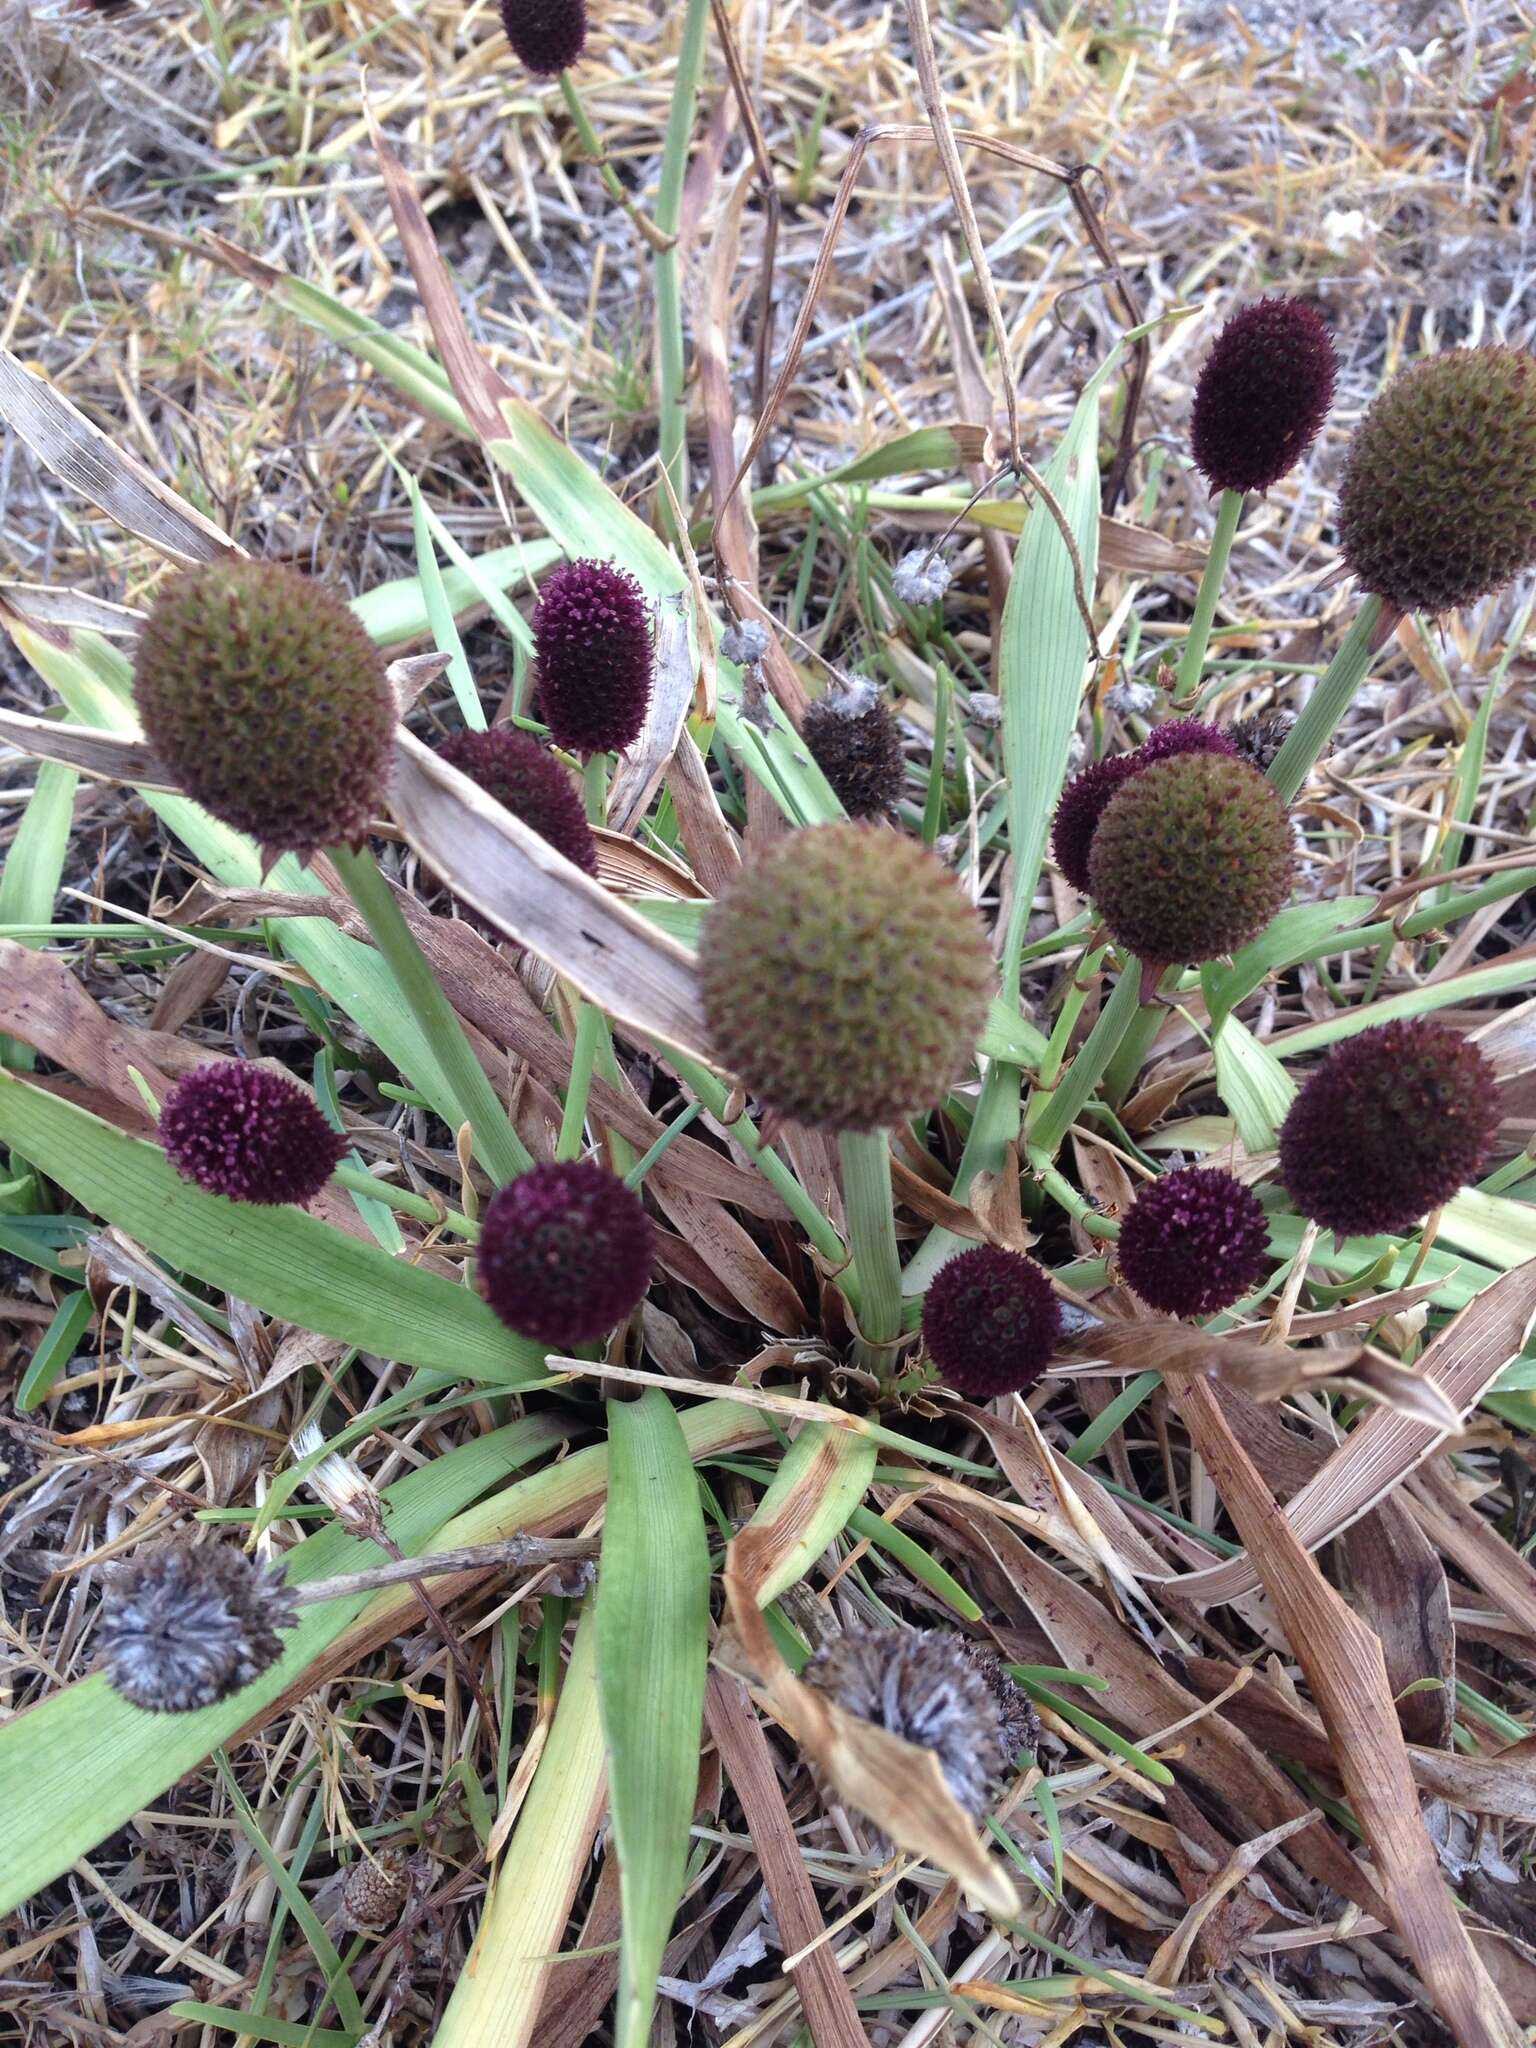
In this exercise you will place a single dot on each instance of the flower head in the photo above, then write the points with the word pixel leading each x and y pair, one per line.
pixel 1086 796
pixel 845 977
pixel 1194 1242
pixel 268 702
pixel 1191 859
pixel 1183 736
pixel 1258 739
pixel 239 1130
pixel 859 752
pixel 1392 1124
pixel 1438 503
pixel 593 656
pixel 565 1253
pixel 546 35
pixel 990 1322
pixel 937 1690
pixel 184 1626
pixel 1264 392
pixel 524 779
pixel 921 576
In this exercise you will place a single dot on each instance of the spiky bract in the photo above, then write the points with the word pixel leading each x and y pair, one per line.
pixel 1194 1242
pixel 513 768
pixel 845 977
pixel 859 753
pixel 990 1322
pixel 593 656
pixel 1192 858
pixel 1392 1124
pixel 547 35
pixel 565 1252
pixel 184 1626
pixel 268 702
pixel 239 1130
pixel 1264 392
pixel 1438 503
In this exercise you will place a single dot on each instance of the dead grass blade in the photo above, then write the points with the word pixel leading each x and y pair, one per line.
pixel 91 749
pixel 1348 1679
pixel 898 1785
pixel 1461 1363
pixel 81 456
pixel 640 772
pixel 520 884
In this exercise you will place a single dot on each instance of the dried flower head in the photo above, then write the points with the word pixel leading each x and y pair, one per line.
pixel 268 703
pixel 1194 1242
pixel 1259 739
pixel 845 978
pixel 859 752
pixel 937 1690
pixel 546 35
pixel 184 1626
pixel 513 768
pixel 237 1129
pixel 377 1889
pixel 744 641
pixel 1192 858
pixel 565 1253
pixel 1390 1125
pixel 990 1321
pixel 1130 698
pixel 921 576
pixel 1262 395
pixel 1438 503
pixel 593 656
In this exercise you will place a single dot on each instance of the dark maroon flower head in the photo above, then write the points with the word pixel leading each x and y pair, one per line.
pixel 991 1322
pixel 1391 1125
pixel 547 35
pixel 859 753
pixel 1183 736
pixel 593 657
pixel 565 1253
pixel 1264 392
pixel 1083 803
pixel 1194 1242
pixel 513 768
pixel 238 1130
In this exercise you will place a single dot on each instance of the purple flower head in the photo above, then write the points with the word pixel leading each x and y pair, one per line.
pixel 1083 803
pixel 565 1253
pixel 513 768
pixel 238 1130
pixel 1183 736
pixel 546 35
pixel 990 1322
pixel 593 657
pixel 1194 1242
pixel 1392 1124
pixel 1263 394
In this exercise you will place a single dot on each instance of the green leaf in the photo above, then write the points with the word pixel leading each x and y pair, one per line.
pixel 80 1764
pixel 31 870
pixel 1414 1002
pixel 56 1348
pixel 1253 1085
pixel 288 2033
pixel 281 1259
pixel 821 1480
pixel 1290 937
pixel 652 1615
pixel 923 448
pixel 445 634
pixel 395 612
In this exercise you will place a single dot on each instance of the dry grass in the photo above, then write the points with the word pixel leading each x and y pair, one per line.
pixel 1377 155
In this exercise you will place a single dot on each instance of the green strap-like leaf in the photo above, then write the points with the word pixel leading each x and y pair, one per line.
pixel 652 1653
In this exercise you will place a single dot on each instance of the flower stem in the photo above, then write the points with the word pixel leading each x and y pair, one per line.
pixel 474 1101
pixel 866 1160
pixel 1192 661
pixel 1062 1107
pixel 589 1034
pixel 1330 700
pixel 670 360
pixel 361 1182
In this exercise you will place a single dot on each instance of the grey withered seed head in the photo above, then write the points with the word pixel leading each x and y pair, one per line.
pixel 185 1625
pixel 921 576
pixel 938 1690
pixel 744 641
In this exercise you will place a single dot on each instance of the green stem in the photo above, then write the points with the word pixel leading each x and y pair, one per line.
pixel 1066 1021
pixel 866 1159
pixel 1192 661
pixel 1330 700
pixel 1076 1203
pixel 361 1182
pixel 474 1101
pixel 1070 1097
pixel 670 360
pixel 576 108
pixel 589 1032
pixel 1130 1055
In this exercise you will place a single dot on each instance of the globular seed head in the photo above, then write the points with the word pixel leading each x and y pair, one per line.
pixel 845 978
pixel 1191 859
pixel 1194 1242
pixel 268 702
pixel 1438 503
pixel 546 35
pixel 1259 738
pixel 183 1626
pixel 859 752
pixel 1393 1122
pixel 593 656
pixel 524 779
pixel 239 1130
pixel 1263 394
pixel 1086 796
pixel 565 1253
pixel 990 1322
